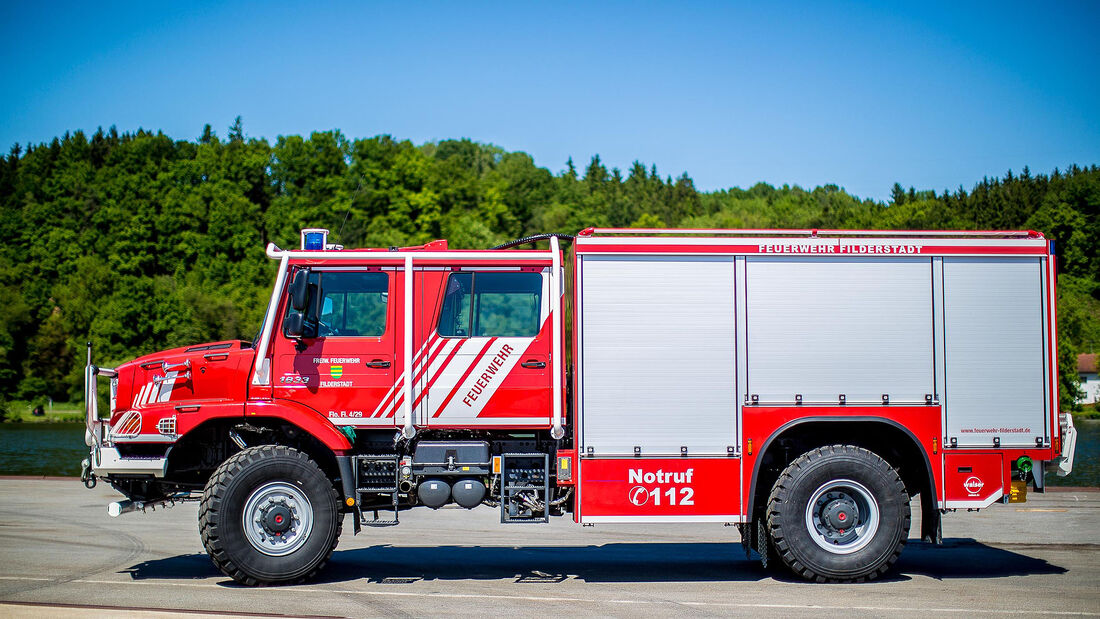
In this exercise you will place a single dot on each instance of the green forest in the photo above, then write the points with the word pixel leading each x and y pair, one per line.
pixel 139 242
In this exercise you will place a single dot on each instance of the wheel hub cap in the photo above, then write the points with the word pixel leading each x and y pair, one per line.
pixel 842 516
pixel 277 518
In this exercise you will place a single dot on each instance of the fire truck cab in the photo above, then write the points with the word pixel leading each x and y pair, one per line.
pixel 803 384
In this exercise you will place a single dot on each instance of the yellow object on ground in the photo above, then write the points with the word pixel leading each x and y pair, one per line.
pixel 1018 492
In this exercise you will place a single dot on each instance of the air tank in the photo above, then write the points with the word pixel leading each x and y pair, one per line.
pixel 434 493
pixel 468 492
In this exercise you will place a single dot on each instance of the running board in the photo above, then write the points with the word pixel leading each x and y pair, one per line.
pixel 377 476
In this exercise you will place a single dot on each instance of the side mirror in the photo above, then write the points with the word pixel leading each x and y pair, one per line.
pixel 299 290
pixel 294 324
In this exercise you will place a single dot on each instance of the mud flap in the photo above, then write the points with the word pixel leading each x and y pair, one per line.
pixel 347 483
pixel 745 530
pixel 931 522
pixel 754 538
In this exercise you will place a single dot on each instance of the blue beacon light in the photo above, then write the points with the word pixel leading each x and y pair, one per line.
pixel 314 239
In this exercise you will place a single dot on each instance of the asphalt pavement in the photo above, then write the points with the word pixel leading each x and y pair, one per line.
pixel 62 556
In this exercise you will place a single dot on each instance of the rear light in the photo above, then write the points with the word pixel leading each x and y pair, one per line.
pixel 129 426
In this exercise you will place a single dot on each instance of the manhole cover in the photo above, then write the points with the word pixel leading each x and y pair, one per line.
pixel 536 576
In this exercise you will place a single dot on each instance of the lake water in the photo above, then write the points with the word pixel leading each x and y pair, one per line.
pixel 41 448
pixel 58 448
pixel 1086 460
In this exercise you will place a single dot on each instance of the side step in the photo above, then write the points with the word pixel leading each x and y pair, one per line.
pixel 525 488
pixel 377 475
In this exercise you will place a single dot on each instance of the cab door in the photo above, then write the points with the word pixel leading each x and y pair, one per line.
pixel 493 337
pixel 343 367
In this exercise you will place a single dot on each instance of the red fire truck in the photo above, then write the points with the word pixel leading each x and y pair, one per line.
pixel 803 384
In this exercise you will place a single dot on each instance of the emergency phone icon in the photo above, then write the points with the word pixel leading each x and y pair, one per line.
pixel 639 495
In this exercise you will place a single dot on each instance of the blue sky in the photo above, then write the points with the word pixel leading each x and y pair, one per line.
pixel 861 95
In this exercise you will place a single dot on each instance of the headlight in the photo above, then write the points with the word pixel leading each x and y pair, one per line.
pixel 127 427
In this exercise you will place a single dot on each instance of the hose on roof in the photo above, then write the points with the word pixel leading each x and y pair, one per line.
pixel 533 238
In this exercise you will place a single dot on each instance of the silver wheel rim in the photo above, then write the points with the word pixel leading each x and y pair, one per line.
pixel 277 518
pixel 842 516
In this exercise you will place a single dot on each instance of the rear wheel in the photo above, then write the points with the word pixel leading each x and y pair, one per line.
pixel 839 514
pixel 269 515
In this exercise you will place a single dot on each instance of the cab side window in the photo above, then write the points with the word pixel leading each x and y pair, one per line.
pixel 347 304
pixel 353 304
pixel 491 304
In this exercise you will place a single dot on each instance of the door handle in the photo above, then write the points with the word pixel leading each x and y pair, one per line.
pixel 534 364
pixel 378 364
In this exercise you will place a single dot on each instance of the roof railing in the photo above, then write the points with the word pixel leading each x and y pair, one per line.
pixel 275 253
pixel 815 232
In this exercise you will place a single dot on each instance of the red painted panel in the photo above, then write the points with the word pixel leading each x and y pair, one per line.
pixel 665 487
pixel 526 390
pixel 761 423
pixel 483 382
pixel 305 418
pixel 972 478
pixel 188 418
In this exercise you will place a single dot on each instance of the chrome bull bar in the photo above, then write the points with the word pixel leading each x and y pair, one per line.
pixel 95 436
pixel 104 457
pixel 94 428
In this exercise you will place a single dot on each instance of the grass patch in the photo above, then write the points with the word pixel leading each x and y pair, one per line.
pixel 1088 411
pixel 19 411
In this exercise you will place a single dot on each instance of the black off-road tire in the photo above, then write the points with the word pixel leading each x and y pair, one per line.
pixel 788 507
pixel 221 524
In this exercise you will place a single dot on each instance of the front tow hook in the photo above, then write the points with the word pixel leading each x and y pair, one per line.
pixel 86 474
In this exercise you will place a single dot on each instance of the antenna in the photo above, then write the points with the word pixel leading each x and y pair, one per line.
pixel 357 190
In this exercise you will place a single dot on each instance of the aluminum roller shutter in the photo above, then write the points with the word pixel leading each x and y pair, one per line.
pixel 657 364
pixel 821 327
pixel 995 351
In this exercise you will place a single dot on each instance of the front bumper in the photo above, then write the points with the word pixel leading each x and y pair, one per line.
pixel 108 461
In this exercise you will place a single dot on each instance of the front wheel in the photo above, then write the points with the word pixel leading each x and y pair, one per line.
pixel 839 514
pixel 269 515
